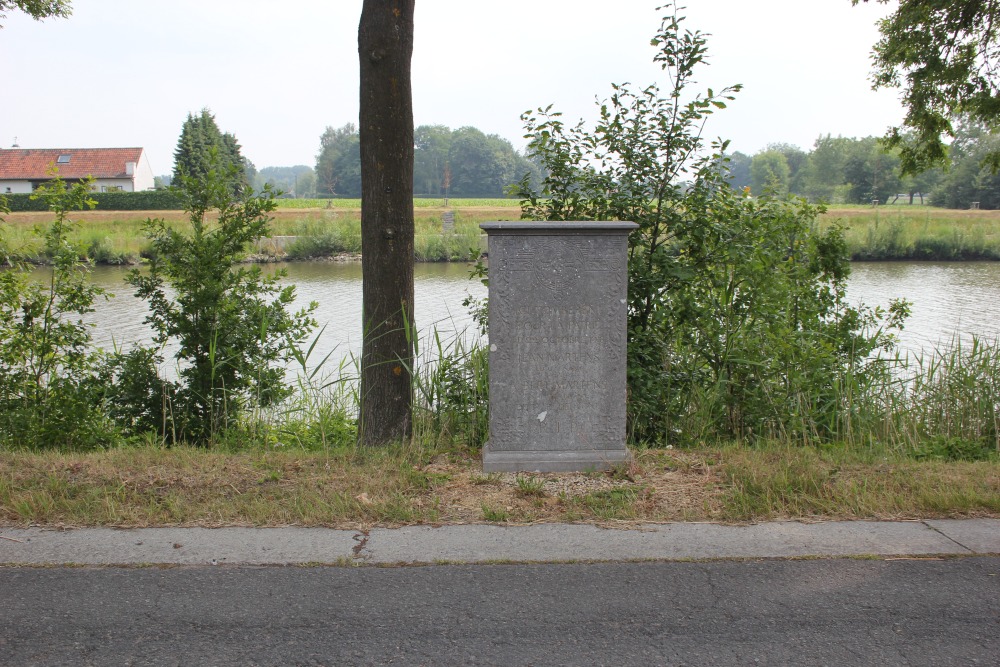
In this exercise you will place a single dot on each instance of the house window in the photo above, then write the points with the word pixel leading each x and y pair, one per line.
pixel 8 191
pixel 111 188
pixel 63 159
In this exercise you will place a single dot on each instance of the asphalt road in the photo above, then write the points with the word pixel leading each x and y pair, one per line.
pixel 773 612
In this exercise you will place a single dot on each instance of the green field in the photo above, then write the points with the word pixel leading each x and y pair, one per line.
pixel 330 227
pixel 116 237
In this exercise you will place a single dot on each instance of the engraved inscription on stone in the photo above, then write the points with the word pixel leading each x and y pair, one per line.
pixel 557 341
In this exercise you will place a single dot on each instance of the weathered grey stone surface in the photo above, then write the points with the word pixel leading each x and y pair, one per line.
pixel 557 345
pixel 181 546
pixel 485 543
pixel 675 541
pixel 980 535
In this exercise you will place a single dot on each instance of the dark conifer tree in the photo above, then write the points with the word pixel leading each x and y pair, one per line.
pixel 200 136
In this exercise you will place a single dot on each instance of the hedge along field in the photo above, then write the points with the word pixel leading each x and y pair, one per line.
pixel 159 200
pixel 116 237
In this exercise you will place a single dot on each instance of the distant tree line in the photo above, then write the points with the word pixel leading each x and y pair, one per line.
pixel 298 181
pixel 466 162
pixel 841 170
pixel 461 163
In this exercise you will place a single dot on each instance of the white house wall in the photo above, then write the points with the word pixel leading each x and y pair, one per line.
pixel 15 187
pixel 143 174
pixel 112 184
pixel 100 185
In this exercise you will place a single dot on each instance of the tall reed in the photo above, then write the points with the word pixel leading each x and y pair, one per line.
pixel 451 386
pixel 940 403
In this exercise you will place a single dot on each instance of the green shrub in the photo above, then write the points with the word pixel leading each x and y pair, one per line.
pixel 947 448
pixel 230 321
pixel 738 325
pixel 452 391
pixel 134 395
pixel 49 386
pixel 325 238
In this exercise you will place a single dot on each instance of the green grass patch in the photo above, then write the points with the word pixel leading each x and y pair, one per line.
pixel 495 514
pixel 775 482
pixel 612 504
pixel 530 486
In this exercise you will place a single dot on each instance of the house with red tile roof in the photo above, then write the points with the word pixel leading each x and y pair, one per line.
pixel 113 169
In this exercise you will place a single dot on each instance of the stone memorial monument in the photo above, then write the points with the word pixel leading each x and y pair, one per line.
pixel 557 335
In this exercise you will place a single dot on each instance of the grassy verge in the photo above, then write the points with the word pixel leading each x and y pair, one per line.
pixel 439 485
pixel 918 233
pixel 917 445
pixel 330 233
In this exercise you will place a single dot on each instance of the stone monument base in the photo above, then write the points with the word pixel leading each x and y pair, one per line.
pixel 587 460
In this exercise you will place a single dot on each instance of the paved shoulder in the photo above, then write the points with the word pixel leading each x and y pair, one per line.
pixel 487 543
pixel 910 611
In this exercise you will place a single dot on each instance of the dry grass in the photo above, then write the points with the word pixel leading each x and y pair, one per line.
pixel 151 487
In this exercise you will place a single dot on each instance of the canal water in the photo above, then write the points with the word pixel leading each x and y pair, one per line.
pixel 948 300
pixel 440 289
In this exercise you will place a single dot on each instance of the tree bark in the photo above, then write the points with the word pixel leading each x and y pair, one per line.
pixel 385 46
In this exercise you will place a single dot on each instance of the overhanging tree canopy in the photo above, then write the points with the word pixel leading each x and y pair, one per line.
pixel 37 9
pixel 945 56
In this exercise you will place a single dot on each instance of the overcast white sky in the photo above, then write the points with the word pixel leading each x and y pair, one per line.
pixel 275 74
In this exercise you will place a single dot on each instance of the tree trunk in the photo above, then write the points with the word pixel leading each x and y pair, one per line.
pixel 385 45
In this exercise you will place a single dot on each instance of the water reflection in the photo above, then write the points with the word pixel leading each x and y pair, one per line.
pixel 335 286
pixel 948 299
